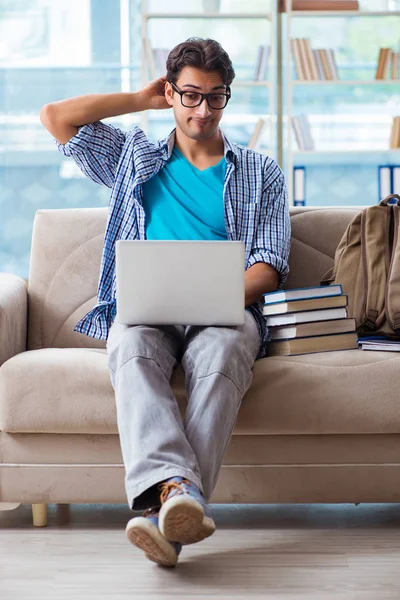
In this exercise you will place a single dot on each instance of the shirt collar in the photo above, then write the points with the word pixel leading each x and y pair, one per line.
pixel 166 147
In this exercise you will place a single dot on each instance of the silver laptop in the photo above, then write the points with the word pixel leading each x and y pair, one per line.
pixel 180 282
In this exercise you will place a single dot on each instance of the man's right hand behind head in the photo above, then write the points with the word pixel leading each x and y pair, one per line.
pixel 153 95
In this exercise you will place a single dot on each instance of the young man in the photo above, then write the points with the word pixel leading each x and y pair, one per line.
pixel 196 184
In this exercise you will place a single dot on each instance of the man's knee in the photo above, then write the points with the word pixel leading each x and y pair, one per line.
pixel 220 350
pixel 141 341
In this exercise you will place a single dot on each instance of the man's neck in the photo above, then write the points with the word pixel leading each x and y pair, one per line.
pixel 201 153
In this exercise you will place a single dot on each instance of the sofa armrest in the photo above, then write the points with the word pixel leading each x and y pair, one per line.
pixel 13 315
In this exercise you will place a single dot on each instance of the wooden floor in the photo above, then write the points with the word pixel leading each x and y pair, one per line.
pixel 284 552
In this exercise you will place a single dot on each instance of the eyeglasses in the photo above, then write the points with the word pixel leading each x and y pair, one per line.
pixel 216 101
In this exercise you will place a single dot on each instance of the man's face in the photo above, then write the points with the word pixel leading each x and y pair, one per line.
pixel 200 122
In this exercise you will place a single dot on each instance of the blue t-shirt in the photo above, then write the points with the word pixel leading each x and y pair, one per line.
pixel 182 202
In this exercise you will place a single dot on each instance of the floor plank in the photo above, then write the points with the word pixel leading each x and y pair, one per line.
pixel 294 552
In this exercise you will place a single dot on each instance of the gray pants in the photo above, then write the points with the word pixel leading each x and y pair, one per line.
pixel 155 442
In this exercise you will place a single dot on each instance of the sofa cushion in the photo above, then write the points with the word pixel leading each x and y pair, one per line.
pixel 69 391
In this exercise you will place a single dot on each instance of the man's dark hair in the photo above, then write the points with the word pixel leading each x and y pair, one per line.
pixel 204 54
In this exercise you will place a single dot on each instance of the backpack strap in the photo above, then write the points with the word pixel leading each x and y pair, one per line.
pixel 375 236
pixel 393 280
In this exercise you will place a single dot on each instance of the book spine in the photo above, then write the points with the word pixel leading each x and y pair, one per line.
pixel 385 182
pixel 395 133
pixel 396 177
pixel 297 59
pixel 148 53
pixel 298 133
pixel 299 186
pixel 325 64
pixel 304 55
pixel 311 59
pixel 386 63
pixel 258 64
pixel 306 130
pixel 395 65
pixel 332 63
pixel 254 140
pixel 320 67
pixel 264 63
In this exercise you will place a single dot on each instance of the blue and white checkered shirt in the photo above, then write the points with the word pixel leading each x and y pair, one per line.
pixel 255 200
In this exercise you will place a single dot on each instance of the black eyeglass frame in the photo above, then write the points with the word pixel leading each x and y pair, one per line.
pixel 227 95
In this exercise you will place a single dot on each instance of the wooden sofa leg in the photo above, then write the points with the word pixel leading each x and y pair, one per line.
pixel 39 513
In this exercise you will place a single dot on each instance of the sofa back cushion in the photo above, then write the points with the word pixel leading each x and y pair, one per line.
pixel 66 254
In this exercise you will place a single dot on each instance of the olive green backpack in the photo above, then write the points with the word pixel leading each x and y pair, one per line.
pixel 367 265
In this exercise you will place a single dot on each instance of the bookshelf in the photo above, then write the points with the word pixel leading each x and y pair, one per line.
pixel 250 117
pixel 351 134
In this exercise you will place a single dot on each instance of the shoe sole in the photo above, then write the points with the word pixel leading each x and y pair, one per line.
pixel 146 536
pixel 182 519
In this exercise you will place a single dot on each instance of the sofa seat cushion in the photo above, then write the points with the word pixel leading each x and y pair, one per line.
pixel 68 390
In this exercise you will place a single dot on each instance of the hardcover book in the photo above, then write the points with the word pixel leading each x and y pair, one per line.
pixel 279 308
pixel 301 330
pixel 309 345
pixel 320 291
pixel 307 316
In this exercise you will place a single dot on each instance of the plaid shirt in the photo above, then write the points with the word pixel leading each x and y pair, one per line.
pixel 255 200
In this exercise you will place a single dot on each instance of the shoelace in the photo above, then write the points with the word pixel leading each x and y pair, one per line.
pixel 167 487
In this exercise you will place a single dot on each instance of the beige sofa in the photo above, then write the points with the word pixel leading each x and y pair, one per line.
pixel 316 428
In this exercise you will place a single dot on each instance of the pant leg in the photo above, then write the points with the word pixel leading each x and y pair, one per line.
pixel 153 442
pixel 218 364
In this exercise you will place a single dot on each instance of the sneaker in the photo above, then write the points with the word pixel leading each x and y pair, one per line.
pixel 184 515
pixel 144 533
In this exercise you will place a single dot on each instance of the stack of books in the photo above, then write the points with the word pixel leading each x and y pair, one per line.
pixel 307 320
pixel 312 64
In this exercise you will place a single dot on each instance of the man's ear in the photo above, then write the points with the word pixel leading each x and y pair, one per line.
pixel 168 93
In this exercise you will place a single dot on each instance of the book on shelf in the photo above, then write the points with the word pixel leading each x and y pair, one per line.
pixel 160 59
pixel 302 132
pixel 309 345
pixel 320 5
pixel 379 343
pixel 255 138
pixel 306 316
pixel 313 65
pixel 299 186
pixel 316 328
pixel 395 134
pixel 261 71
pixel 149 59
pixel 310 67
pixel 319 291
pixel 297 54
pixel 333 71
pixel 155 58
pixel 395 66
pixel 384 62
pixel 309 304
pixel 320 65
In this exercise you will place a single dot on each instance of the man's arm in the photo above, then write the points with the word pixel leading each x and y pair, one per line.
pixel 63 119
pixel 268 263
pixel 259 279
